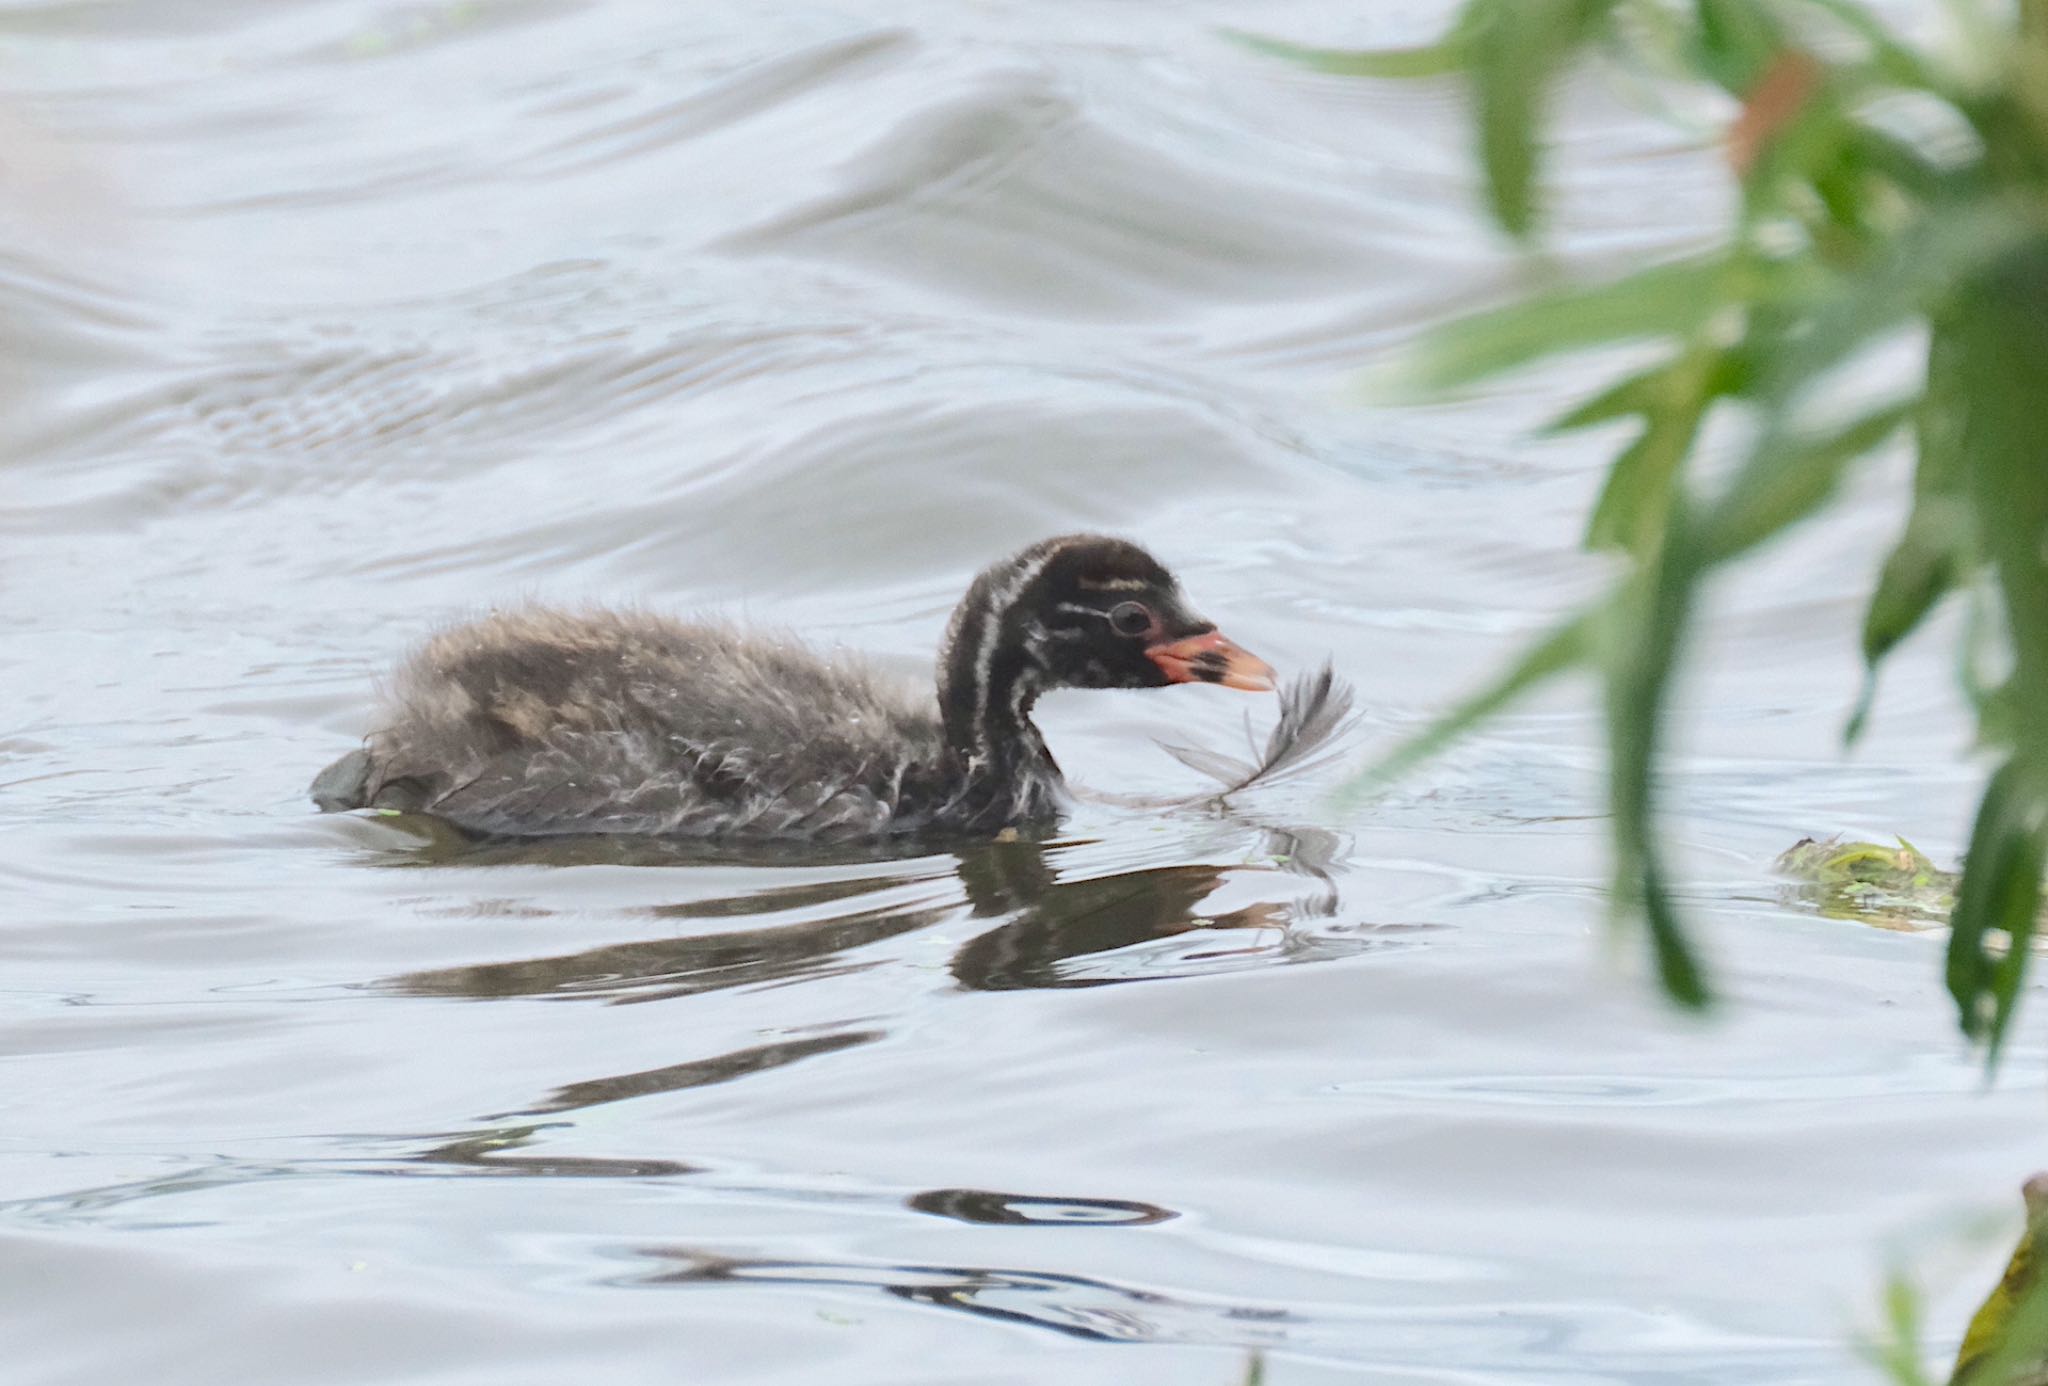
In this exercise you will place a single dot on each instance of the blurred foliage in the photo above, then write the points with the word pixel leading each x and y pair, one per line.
pixel 2007 1341
pixel 1899 1352
pixel 1890 194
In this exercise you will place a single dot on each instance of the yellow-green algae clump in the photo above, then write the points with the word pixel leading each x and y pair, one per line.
pixel 1895 887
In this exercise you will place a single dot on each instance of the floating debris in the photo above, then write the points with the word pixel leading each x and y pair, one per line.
pixel 1896 887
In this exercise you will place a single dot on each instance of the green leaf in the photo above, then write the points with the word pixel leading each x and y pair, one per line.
pixel 1898 1352
pixel 1848 234
pixel 1891 58
pixel 1738 40
pixel 1677 969
pixel 1644 630
pixel 1933 554
pixel 1925 266
pixel 2000 890
pixel 1564 648
pixel 1883 155
pixel 2001 342
pixel 1449 54
pixel 1519 48
pixel 1667 300
pixel 1514 51
pixel 1999 337
pixel 1643 637
pixel 1786 479
pixel 1631 511
pixel 2007 1341
pixel 1629 396
pixel 1922 568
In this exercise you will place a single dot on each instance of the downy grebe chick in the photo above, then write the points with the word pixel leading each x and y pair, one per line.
pixel 536 723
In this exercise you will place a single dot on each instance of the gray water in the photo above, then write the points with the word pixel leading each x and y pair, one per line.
pixel 329 321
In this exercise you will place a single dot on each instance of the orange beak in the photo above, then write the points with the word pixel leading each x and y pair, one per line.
pixel 1211 659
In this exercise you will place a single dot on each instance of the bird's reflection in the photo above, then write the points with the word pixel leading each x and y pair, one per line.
pixel 1047 923
pixel 1046 932
pixel 418 840
pixel 1054 922
pixel 655 969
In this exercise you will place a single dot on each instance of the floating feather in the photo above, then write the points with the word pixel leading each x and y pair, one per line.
pixel 1315 710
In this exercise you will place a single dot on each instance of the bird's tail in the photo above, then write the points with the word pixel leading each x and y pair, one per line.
pixel 345 784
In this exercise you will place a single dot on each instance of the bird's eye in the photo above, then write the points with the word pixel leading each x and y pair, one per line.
pixel 1130 618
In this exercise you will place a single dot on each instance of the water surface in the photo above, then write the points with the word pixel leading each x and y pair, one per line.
pixel 332 320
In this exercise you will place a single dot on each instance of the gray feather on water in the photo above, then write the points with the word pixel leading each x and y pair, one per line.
pixel 1315 712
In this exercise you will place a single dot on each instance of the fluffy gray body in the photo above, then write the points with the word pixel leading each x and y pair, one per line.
pixel 535 722
pixel 538 722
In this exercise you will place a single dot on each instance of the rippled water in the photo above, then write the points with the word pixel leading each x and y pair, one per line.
pixel 328 321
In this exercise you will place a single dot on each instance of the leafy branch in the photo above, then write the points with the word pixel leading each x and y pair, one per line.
pixel 1848 233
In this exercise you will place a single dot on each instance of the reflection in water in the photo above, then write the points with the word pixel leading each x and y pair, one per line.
pixel 1314 853
pixel 1078 1306
pixel 483 1153
pixel 1052 922
pixel 489 1151
pixel 1036 1210
pixel 1478 1338
pixel 656 969
pixel 1099 916
pixel 697 1073
pixel 1057 922
pixel 409 840
pixel 1047 927
pixel 488 1148
pixel 1041 929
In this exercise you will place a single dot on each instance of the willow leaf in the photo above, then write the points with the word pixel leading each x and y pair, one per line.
pixel 1644 633
pixel 1667 300
pixel 1627 397
pixel 1677 969
pixel 1925 266
pixel 1786 479
pixel 1738 42
pixel 2001 341
pixel 1449 54
pixel 1889 56
pixel 1999 336
pixel 1933 554
pixel 1921 569
pixel 1898 1352
pixel 2000 889
pixel 1519 48
pixel 1631 510
pixel 1564 648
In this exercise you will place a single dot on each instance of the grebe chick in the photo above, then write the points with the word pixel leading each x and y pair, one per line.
pixel 536 723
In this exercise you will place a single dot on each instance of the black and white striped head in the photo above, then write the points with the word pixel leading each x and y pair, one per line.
pixel 1084 611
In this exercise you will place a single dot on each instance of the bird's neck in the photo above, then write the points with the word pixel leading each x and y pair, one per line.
pixel 989 678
